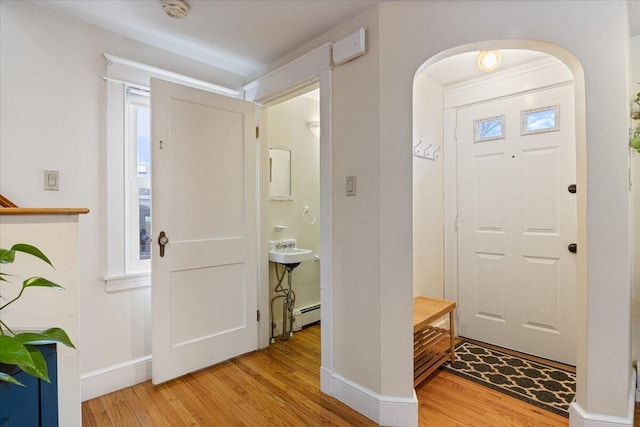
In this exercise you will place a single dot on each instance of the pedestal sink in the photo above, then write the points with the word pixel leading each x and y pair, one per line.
pixel 286 252
pixel 290 255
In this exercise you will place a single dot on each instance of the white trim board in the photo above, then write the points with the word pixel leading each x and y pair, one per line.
pixel 384 410
pixel 115 377
pixel 578 417
pixel 126 282
pixel 536 76
pixel 125 70
pixel 290 78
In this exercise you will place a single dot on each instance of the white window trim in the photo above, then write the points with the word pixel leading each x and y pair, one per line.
pixel 523 120
pixel 132 187
pixel 122 72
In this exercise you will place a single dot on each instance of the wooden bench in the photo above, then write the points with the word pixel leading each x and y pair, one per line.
pixel 426 355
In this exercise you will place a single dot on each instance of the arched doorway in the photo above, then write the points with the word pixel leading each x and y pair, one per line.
pixel 450 108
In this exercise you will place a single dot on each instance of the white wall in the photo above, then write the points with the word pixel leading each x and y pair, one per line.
pixel 372 138
pixel 635 210
pixel 356 352
pixel 287 127
pixel 424 29
pixel 355 279
pixel 428 203
pixel 52 116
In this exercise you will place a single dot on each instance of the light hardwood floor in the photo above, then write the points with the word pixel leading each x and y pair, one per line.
pixel 279 386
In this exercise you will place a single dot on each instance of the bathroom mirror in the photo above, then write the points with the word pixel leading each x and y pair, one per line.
pixel 280 173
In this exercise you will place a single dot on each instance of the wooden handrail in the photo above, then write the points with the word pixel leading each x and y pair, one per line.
pixel 43 211
pixel 6 203
pixel 7 207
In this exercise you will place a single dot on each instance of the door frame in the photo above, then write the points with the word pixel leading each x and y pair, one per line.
pixel 285 82
pixel 450 166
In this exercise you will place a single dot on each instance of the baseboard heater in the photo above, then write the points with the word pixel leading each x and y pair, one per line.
pixel 306 316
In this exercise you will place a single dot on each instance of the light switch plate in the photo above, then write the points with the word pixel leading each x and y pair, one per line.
pixel 52 180
pixel 351 186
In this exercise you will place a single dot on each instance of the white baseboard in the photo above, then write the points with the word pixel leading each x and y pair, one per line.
pixel 578 417
pixel 384 410
pixel 116 377
pixel 325 381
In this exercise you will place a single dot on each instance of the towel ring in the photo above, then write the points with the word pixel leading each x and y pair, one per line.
pixel 308 215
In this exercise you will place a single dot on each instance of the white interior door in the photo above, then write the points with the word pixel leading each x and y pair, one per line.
pixel 517 278
pixel 204 291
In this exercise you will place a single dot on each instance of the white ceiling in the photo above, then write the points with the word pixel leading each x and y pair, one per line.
pixel 240 36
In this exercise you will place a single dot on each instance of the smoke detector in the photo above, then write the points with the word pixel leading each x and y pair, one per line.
pixel 175 8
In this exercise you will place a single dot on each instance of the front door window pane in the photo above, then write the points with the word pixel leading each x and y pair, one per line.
pixel 489 129
pixel 540 120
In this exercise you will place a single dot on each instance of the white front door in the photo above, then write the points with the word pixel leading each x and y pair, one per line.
pixel 204 291
pixel 517 277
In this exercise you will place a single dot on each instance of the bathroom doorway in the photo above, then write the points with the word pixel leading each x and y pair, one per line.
pixel 293 211
pixel 486 172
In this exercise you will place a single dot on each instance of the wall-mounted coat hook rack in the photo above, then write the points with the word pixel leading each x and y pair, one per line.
pixel 426 152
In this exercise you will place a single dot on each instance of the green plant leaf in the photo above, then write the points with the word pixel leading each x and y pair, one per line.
pixel 9 379
pixel 31 250
pixel 50 336
pixel 3 275
pixel 40 281
pixel 13 352
pixel 7 256
pixel 59 335
pixel 39 368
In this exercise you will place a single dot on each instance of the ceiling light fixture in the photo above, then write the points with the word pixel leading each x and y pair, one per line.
pixel 488 60
pixel 175 8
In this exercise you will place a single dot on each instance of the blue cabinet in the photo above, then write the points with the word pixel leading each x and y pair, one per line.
pixel 35 405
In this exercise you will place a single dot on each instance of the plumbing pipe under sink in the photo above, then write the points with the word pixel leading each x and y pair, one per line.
pixel 287 253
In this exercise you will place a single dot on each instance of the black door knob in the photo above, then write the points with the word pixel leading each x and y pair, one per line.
pixel 573 248
pixel 572 188
pixel 162 241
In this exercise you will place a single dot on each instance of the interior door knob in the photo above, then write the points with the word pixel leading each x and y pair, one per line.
pixel 573 248
pixel 162 241
pixel 572 188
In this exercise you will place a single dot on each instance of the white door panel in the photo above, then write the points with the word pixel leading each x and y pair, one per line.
pixel 517 280
pixel 204 290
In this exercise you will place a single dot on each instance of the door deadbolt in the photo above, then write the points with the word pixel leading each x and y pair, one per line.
pixel 573 248
pixel 162 241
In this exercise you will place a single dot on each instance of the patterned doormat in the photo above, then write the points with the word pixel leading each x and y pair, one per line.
pixel 543 386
